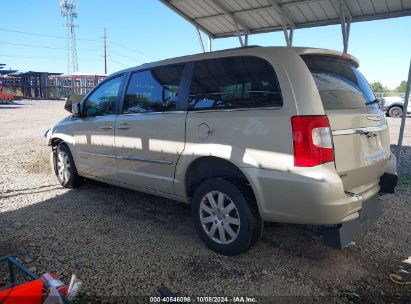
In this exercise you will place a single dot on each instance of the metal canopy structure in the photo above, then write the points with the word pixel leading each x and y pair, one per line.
pixel 241 18
pixel 230 18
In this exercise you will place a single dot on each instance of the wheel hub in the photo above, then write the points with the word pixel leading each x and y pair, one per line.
pixel 220 216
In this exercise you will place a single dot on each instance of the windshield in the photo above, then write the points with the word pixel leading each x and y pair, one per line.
pixel 340 84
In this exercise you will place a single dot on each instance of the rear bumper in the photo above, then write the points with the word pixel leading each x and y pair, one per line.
pixel 343 234
pixel 319 203
pixel 315 198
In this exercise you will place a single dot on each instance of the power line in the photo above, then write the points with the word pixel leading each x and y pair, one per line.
pixel 32 45
pixel 31 57
pixel 79 39
pixel 43 46
pixel 131 50
pixel 64 49
pixel 83 39
pixel 45 35
pixel 106 51
pixel 128 57
pixel 119 63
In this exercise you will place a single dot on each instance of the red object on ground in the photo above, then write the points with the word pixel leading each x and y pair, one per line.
pixel 51 279
pixel 6 96
pixel 29 293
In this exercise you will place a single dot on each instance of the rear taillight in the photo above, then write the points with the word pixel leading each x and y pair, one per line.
pixel 312 140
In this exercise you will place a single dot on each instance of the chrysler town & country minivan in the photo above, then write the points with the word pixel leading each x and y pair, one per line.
pixel 246 136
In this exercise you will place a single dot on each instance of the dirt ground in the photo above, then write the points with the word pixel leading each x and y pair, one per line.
pixel 124 244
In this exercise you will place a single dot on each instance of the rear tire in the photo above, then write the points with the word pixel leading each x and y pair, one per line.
pixel 64 167
pixel 395 111
pixel 225 216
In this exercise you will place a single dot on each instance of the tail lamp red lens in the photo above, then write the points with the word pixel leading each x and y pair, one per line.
pixel 312 140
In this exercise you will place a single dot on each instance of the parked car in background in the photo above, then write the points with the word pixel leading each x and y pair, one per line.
pixel 246 136
pixel 393 106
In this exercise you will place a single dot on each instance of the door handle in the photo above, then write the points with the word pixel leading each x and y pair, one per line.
pixel 106 127
pixel 124 126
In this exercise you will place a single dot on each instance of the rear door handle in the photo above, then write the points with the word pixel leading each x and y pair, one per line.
pixel 124 126
pixel 106 127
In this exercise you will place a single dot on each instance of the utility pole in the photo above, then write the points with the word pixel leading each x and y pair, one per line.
pixel 105 51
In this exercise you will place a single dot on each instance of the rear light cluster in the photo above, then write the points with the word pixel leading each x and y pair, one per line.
pixel 313 144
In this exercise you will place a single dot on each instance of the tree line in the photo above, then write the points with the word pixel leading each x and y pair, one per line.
pixel 378 87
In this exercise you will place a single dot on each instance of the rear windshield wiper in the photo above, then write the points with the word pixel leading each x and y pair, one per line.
pixel 372 102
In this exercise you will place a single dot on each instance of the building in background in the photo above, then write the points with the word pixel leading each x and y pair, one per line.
pixel 76 83
pixel 5 72
pixel 45 85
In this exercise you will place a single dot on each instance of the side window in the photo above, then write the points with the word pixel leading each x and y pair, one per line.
pixel 154 90
pixel 234 82
pixel 103 100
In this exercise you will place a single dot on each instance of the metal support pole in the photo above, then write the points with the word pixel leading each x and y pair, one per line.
pixel 240 38
pixel 11 271
pixel 246 39
pixel 200 40
pixel 403 118
pixel 210 44
pixel 345 28
pixel 288 36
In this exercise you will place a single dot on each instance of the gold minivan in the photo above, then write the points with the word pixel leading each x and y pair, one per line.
pixel 246 136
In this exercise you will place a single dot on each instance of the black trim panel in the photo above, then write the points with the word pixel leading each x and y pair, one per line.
pixel 343 234
pixel 388 182
pixel 184 90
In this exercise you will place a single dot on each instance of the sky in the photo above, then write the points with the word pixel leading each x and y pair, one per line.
pixel 142 31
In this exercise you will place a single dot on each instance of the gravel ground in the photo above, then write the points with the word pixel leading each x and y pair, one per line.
pixel 126 244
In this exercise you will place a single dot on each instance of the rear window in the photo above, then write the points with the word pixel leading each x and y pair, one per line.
pixel 341 85
pixel 234 82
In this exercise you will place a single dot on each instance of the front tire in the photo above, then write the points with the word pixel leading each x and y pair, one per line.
pixel 395 111
pixel 225 216
pixel 64 167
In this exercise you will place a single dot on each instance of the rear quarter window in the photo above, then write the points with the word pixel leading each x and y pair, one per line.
pixel 234 82
pixel 340 84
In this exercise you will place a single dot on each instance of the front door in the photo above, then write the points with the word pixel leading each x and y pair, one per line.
pixel 150 129
pixel 94 131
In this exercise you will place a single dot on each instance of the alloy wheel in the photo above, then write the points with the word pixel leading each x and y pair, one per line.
pixel 219 217
pixel 63 166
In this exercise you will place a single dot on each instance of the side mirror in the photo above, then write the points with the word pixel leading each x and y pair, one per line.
pixel 73 98
pixel 76 110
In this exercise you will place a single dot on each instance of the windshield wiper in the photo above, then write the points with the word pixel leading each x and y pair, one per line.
pixel 372 102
